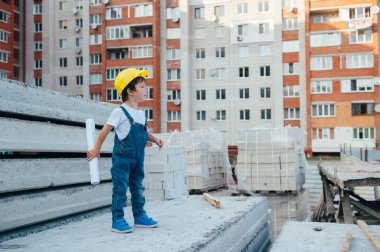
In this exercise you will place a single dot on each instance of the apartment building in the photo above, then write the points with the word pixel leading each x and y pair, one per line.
pixel 12 39
pixel 342 74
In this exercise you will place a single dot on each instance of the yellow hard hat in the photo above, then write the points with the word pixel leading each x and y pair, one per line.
pixel 126 76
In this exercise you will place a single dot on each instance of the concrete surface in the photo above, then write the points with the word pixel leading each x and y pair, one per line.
pixel 301 236
pixel 186 224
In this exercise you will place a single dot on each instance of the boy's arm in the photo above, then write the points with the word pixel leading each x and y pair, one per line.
pixel 102 136
pixel 155 140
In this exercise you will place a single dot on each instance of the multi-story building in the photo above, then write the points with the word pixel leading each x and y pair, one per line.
pixel 342 74
pixel 12 41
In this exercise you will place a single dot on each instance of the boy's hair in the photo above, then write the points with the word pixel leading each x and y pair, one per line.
pixel 131 86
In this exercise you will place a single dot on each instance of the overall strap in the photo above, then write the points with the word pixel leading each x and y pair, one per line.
pixel 128 115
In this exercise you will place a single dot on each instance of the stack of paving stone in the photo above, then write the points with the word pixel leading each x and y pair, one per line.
pixel 165 172
pixel 270 160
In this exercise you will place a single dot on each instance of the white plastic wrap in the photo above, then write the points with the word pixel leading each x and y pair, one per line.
pixel 94 163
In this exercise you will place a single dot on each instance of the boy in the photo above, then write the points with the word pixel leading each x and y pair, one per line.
pixel 131 136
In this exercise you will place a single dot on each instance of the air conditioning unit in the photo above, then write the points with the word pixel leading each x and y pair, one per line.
pixel 75 10
pixel 239 38
pixel 212 72
pixel 106 1
pixel 213 117
pixel 77 29
pixel 214 18
pixel 376 81
pixel 94 26
pixel 377 108
pixel 175 18
pixel 78 50
pixel 375 9
pixel 177 102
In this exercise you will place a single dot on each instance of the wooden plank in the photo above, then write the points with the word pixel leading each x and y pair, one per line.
pixel 347 242
pixel 212 200
pixel 370 235
pixel 328 196
pixel 346 205
pixel 368 210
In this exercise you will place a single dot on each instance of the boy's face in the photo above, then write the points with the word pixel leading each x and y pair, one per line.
pixel 141 91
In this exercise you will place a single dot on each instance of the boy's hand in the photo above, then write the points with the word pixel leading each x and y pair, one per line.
pixel 159 142
pixel 91 154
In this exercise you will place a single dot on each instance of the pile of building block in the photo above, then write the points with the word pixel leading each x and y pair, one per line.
pixel 270 160
pixel 165 172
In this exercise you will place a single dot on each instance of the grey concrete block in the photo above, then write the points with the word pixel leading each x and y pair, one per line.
pixel 18 211
pixel 25 174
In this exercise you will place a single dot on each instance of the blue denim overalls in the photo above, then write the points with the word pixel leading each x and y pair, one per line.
pixel 128 169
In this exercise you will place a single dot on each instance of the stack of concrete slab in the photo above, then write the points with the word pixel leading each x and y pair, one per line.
pixel 270 160
pixel 288 208
pixel 165 172
pixel 313 183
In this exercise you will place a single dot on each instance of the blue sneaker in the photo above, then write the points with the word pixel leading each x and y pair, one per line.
pixel 145 222
pixel 121 226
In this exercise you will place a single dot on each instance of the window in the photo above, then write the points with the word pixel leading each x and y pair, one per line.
pixel 61 5
pixel 144 10
pixel 364 133
pixel 63 80
pixel 242 8
pixel 243 51
pixel 323 110
pixel 242 30
pixel 96 19
pixel 244 114
pixel 220 52
pixel 291 68
pixel 265 50
pixel 289 24
pixel 79 42
pixel 263 6
pixel 200 53
pixel 96 78
pixel 62 62
pixel 292 91
pixel 96 97
pixel 321 86
pixel 243 72
pixel 112 95
pixel 174 116
pixel 95 2
pixel 79 4
pixel 38 82
pixel 149 93
pixel 264 29
pixel 111 73
pixel 266 114
pixel 321 63
pixel 356 85
pixel 3 75
pixel 220 32
pixel 95 59
pixel 149 114
pixel 219 11
pixel 4 16
pixel 63 24
pixel 199 13
pixel 199 33
pixel 220 94
pixel 4 35
pixel 244 93
pixel 79 61
pixel 113 13
pixel 173 54
pixel 323 133
pixel 174 74
pixel 38 27
pixel 290 46
pixel 359 60
pixel 265 71
pixel 37 63
pixel 142 51
pixel 174 94
pixel 221 115
pixel 37 9
pixel 360 12
pixel 200 74
pixel 79 23
pixel 200 95
pixel 96 39
pixel 220 73
pixel 265 92
pixel 117 32
pixel 79 79
pixel 201 115
pixel 38 46
pixel 325 39
pixel 291 113
pixel 362 108
pixel 361 36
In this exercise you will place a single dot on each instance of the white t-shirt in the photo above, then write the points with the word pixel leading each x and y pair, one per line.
pixel 120 121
